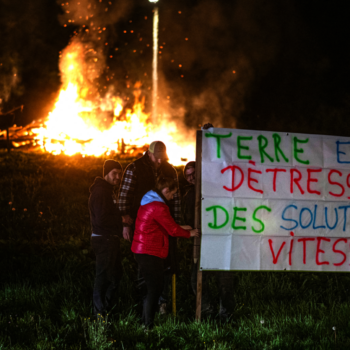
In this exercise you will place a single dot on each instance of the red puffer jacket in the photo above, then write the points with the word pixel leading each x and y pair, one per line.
pixel 153 225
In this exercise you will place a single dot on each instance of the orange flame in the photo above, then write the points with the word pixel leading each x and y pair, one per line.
pixel 79 124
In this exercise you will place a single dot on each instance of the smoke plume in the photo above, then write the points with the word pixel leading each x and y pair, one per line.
pixel 222 49
pixel 95 19
pixel 8 81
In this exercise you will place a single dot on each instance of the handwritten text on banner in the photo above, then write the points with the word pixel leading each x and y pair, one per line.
pixel 275 201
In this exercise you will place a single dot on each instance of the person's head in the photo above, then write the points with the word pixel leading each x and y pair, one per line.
pixel 167 185
pixel 112 172
pixel 190 172
pixel 157 153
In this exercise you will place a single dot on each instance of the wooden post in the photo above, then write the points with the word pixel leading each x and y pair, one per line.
pixel 197 222
pixel 174 294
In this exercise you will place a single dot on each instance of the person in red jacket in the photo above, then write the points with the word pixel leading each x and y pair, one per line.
pixel 150 245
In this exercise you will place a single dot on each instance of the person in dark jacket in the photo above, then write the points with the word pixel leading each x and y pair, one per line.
pixel 150 245
pixel 188 213
pixel 224 279
pixel 107 227
pixel 189 198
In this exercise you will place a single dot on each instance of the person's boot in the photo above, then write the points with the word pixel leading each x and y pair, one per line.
pixel 162 303
pixel 162 309
pixel 227 299
pixel 207 309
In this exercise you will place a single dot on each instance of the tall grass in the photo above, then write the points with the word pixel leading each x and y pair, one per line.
pixel 47 272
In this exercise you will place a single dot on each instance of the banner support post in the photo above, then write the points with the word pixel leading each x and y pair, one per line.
pixel 174 294
pixel 197 221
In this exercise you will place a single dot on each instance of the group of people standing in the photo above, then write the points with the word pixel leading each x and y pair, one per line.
pixel 148 213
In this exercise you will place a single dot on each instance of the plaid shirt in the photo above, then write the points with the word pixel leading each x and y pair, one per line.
pixel 127 193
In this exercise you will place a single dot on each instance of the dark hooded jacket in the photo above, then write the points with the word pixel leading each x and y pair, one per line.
pixel 105 217
pixel 146 172
pixel 188 205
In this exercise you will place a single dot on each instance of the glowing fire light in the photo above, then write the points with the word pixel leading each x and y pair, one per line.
pixel 79 124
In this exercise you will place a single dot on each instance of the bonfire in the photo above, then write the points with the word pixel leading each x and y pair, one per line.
pixel 84 122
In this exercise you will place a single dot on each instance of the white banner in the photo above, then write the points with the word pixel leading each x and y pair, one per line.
pixel 275 201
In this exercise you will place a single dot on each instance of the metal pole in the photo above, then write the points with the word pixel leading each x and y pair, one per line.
pixel 197 222
pixel 155 67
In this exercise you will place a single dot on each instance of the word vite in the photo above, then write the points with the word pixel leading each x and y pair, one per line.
pixel 314 250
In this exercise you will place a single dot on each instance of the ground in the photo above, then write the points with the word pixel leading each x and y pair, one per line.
pixel 47 272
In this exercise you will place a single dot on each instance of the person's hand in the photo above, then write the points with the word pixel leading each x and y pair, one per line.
pixel 195 232
pixel 186 227
pixel 127 220
pixel 127 233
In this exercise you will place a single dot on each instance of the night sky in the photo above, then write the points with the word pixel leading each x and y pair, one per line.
pixel 266 65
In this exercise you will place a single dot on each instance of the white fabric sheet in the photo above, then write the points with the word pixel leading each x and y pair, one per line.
pixel 265 191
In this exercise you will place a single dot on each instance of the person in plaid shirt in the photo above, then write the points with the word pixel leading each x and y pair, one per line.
pixel 140 177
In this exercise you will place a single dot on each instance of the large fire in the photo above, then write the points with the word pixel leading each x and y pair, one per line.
pixel 80 124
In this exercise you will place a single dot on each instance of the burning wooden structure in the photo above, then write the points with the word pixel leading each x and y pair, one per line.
pixel 26 139
pixel 7 127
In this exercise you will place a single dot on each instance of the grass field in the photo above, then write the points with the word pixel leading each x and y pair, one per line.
pixel 47 272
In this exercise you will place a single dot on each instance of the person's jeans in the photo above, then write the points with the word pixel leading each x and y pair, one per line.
pixel 164 297
pixel 206 305
pixel 171 267
pixel 225 281
pixel 151 268
pixel 109 272
pixel 227 298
